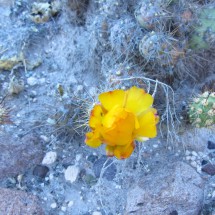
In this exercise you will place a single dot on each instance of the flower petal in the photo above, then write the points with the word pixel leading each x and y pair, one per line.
pixel 96 117
pixel 147 121
pixel 112 98
pixel 118 127
pixel 93 139
pixel 138 100
pixel 109 150
pixel 122 152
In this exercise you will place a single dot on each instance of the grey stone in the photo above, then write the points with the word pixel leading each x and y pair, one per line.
pixel 92 158
pixel 211 145
pixel 13 202
pixel 172 187
pixel 18 154
pixel 197 139
pixel 209 169
pixel 109 173
pixel 173 213
pixel 40 171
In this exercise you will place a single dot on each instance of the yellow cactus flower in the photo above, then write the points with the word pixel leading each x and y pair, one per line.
pixel 122 117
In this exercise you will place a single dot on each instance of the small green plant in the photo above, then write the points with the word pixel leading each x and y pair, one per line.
pixel 203 36
pixel 202 110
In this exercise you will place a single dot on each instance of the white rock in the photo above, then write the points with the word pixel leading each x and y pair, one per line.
pixel 194 164
pixel 44 138
pixel 194 153
pixel 42 81
pixel 71 173
pixel 78 157
pixel 199 169
pixel 201 154
pixel 53 205
pixel 169 148
pixel 96 213
pixel 51 176
pixel 118 72
pixel 63 208
pixel 32 81
pixel 49 158
pixel 73 80
pixel 188 158
pixel 93 91
pixel 193 158
pixel 70 204
pixel 79 88
pixel 51 121
pixel 187 152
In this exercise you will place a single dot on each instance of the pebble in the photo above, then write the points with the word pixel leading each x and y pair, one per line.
pixel 51 176
pixel 51 121
pixel 96 213
pixel 204 162
pixel 187 152
pixel 194 153
pixel 155 145
pixel 173 213
pixel 71 173
pixel 92 158
pixel 199 169
pixel 42 81
pixel 53 205
pixel 70 204
pixel 63 208
pixel 32 81
pixel 44 138
pixel 118 73
pixel 78 157
pixel 201 154
pixel 169 148
pixel 33 94
pixel 209 169
pixel 211 145
pixel 73 80
pixel 193 164
pixel 193 158
pixel 40 171
pixel 79 88
pixel 15 86
pixel 110 171
pixel 92 91
pixel 188 158
pixel 49 158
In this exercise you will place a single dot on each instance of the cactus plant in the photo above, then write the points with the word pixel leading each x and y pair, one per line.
pixel 124 36
pixel 113 8
pixel 202 110
pixel 203 36
pixel 151 14
pixel 160 48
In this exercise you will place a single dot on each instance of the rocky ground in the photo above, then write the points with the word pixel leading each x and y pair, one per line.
pixel 55 58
